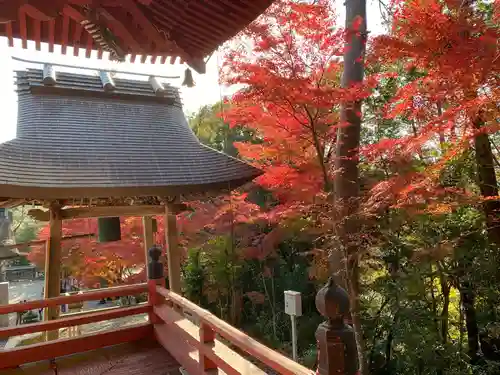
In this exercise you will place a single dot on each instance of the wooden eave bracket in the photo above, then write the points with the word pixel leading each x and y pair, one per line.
pixel 198 64
pixel 177 208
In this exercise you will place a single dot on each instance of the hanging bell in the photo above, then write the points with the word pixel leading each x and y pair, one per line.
pixel 188 78
pixel 154 224
pixel 109 229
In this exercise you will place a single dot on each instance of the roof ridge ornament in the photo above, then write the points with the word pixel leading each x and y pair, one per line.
pixel 107 81
pixel 49 75
pixel 157 86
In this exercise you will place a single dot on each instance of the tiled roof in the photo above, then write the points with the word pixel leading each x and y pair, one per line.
pixel 77 140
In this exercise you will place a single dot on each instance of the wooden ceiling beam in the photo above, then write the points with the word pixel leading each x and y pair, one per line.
pixel 91 212
pixel 10 36
pixel 40 242
pixel 35 13
pixel 65 31
pixel 73 14
pixel 23 29
pixel 37 25
pixel 89 46
pixel 39 9
pixel 77 36
pixel 162 13
pixel 10 203
pixel 196 63
pixel 160 42
pixel 250 6
pixel 52 32
pixel 117 24
pixel 197 13
pixel 196 37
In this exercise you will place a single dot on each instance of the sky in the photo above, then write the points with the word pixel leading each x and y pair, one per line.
pixel 206 91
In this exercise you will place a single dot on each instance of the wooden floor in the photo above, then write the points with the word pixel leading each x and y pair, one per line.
pixel 139 358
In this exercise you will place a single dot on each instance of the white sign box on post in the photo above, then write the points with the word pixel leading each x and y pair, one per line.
pixel 293 303
pixel 293 307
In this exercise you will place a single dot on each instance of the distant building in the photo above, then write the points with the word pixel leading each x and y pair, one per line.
pixel 6 238
pixel 18 273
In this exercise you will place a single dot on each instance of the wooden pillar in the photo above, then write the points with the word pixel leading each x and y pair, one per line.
pixel 173 251
pixel 337 354
pixel 155 278
pixel 53 266
pixel 147 225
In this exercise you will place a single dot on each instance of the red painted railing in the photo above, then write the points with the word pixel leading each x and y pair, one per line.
pixel 60 347
pixel 198 346
pixel 94 295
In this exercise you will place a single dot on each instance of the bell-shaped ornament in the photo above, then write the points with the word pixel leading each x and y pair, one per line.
pixel 188 78
pixel 109 229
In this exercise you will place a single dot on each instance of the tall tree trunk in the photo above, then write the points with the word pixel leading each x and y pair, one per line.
pixel 346 182
pixel 487 181
pixel 468 303
pixel 445 312
pixel 468 298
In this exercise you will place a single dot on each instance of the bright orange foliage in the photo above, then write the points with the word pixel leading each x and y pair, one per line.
pixel 124 261
pixel 288 61
pixel 455 50
pixel 90 261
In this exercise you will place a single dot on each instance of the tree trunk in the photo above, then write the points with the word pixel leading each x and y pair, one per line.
pixel 445 312
pixel 346 182
pixel 468 303
pixel 487 181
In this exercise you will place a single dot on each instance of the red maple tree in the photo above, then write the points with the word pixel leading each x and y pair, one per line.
pixel 453 101
pixel 289 64
pixel 124 261
pixel 91 262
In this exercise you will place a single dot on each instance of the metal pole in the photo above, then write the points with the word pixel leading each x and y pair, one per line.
pixel 294 337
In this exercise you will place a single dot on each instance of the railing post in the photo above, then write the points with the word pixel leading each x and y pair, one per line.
pixel 207 336
pixel 155 277
pixel 337 353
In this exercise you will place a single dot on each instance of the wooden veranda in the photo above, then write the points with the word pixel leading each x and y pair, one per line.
pixel 177 334
pixel 97 146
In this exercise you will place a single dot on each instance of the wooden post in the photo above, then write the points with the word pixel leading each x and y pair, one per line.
pixel 147 226
pixel 207 336
pixel 53 260
pixel 173 252
pixel 155 277
pixel 337 354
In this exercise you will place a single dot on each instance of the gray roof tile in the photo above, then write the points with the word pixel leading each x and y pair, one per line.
pixel 75 140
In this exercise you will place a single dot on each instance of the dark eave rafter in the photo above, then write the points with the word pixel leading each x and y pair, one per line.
pixel 130 30
pixel 163 30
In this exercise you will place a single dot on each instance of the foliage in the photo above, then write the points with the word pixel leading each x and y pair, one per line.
pixel 25 229
pixel 427 218
pixel 92 262
pixel 209 126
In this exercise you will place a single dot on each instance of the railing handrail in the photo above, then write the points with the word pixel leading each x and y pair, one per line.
pixel 90 317
pixel 259 351
pixel 98 294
